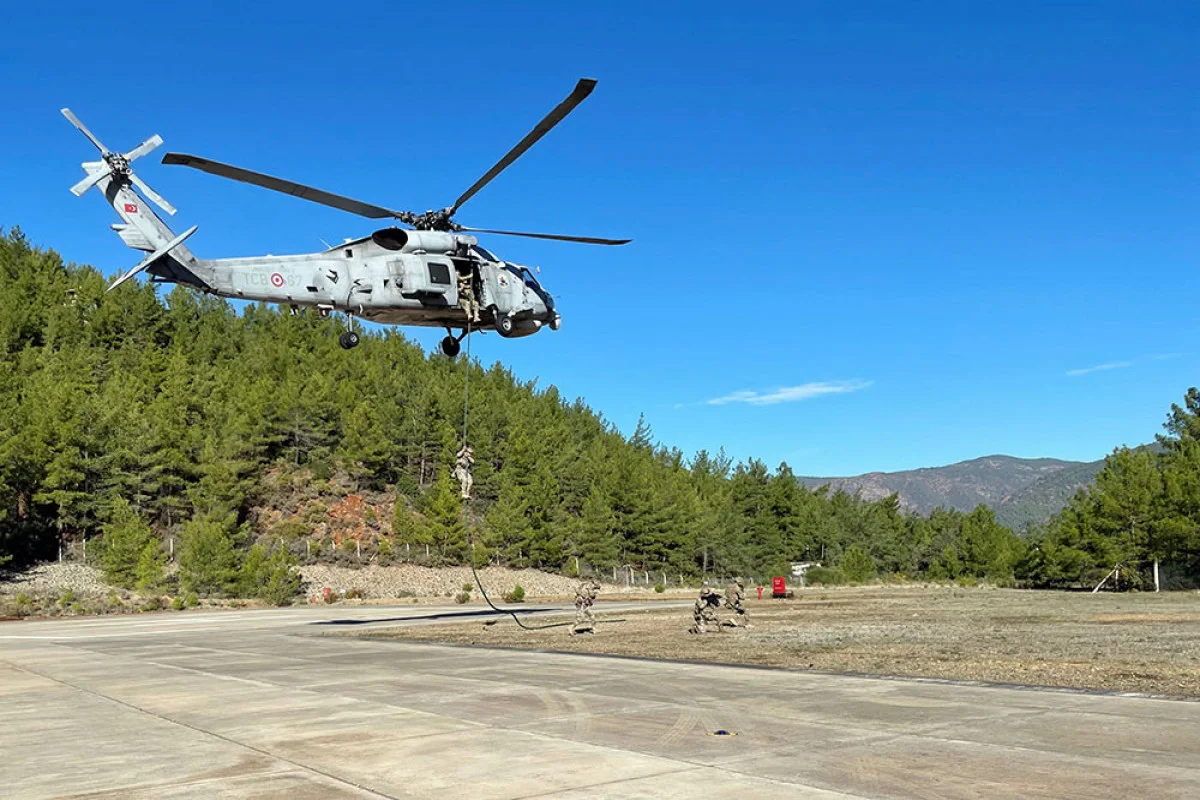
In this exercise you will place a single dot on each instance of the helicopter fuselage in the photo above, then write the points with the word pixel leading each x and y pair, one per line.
pixel 394 277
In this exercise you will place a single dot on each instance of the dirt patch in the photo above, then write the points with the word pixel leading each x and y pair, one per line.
pixel 1130 642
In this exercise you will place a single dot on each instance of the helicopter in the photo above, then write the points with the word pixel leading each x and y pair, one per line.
pixel 433 273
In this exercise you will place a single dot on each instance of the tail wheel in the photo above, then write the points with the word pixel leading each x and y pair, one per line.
pixel 348 340
pixel 450 347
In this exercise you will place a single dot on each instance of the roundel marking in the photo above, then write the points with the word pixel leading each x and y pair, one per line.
pixel 277 280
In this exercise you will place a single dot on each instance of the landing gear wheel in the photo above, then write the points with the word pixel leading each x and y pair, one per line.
pixel 348 340
pixel 504 324
pixel 450 347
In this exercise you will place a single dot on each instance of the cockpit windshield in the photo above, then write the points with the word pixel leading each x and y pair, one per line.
pixel 526 277
pixel 530 281
pixel 484 254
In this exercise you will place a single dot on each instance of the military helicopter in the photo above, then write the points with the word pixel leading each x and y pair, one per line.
pixel 395 276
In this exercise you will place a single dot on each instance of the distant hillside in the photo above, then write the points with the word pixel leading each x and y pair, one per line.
pixel 1022 490
pixel 1046 495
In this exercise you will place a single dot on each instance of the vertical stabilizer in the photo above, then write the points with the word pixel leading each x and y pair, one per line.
pixel 140 228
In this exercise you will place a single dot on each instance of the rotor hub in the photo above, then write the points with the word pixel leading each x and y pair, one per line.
pixel 118 163
pixel 436 220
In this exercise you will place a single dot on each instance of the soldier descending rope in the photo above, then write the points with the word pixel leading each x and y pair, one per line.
pixel 585 595
pixel 463 464
pixel 705 612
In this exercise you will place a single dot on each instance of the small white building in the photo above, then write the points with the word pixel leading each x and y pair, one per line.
pixel 799 571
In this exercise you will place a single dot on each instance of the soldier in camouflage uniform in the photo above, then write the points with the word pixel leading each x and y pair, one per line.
pixel 463 464
pixel 705 612
pixel 585 595
pixel 466 296
pixel 735 597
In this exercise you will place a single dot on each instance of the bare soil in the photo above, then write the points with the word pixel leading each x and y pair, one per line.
pixel 1128 642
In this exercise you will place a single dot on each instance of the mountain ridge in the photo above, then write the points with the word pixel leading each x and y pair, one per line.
pixel 1022 491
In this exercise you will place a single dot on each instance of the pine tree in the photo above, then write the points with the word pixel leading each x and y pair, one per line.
pixel 126 538
pixel 208 563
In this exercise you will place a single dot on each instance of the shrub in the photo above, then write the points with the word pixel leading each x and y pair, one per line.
pixel 153 604
pixel 280 581
pixel 385 549
pixel 191 601
pixel 291 529
pixel 825 576
pixel 177 603
pixel 67 598
pixel 658 587
pixel 856 564
pixel 462 597
pixel 517 595
pixel 466 587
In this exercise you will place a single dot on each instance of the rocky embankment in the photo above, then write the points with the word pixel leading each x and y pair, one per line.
pixel 398 581
pixel 54 580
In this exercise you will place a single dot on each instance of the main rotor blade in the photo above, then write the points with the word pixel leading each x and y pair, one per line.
pixel 74 120
pixel 582 90
pixel 143 148
pixel 555 236
pixel 285 186
pixel 151 195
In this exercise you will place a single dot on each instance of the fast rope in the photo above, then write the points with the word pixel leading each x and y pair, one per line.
pixel 467 500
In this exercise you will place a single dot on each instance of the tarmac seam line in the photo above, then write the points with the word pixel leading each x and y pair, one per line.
pixel 222 738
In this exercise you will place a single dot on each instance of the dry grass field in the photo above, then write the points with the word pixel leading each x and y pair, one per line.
pixel 1128 642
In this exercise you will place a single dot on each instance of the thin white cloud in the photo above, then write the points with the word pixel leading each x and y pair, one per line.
pixel 1100 368
pixel 789 394
pixel 1166 356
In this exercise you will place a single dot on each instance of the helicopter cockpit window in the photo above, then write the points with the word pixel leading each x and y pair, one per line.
pixel 484 254
pixel 530 281
pixel 439 273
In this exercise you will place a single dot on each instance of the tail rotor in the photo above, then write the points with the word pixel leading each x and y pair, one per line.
pixel 116 165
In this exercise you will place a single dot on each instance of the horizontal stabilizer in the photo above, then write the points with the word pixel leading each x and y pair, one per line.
pixel 157 254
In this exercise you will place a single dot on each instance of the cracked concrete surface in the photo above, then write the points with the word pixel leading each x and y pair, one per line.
pixel 264 704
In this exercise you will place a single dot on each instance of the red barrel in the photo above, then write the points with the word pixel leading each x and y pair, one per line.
pixel 778 587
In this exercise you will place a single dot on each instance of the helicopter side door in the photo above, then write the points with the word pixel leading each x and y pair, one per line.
pixel 430 279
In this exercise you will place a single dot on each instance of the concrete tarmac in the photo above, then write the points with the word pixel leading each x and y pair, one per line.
pixel 266 704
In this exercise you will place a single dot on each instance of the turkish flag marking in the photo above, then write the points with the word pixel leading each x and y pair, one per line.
pixel 131 208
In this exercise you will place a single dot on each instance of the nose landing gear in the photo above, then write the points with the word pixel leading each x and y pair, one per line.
pixel 450 347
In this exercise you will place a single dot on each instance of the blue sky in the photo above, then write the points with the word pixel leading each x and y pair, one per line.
pixel 866 236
